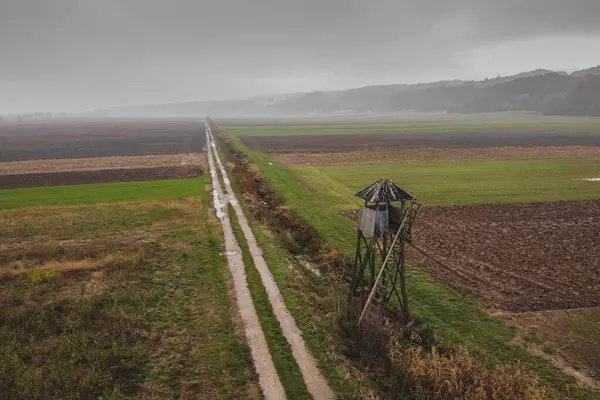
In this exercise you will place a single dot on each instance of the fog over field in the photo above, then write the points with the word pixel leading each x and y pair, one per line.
pixel 71 56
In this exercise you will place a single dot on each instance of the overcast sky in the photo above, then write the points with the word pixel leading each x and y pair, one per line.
pixel 84 54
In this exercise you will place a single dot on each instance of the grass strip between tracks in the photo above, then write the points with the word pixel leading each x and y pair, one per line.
pixel 281 352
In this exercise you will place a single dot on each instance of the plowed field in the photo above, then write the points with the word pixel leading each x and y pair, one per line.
pixel 99 176
pixel 519 257
pixel 347 142
pixel 437 154
pixel 98 138
pixel 99 163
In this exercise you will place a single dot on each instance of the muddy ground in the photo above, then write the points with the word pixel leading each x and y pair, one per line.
pixel 436 154
pixel 98 138
pixel 347 142
pixel 519 257
pixel 98 176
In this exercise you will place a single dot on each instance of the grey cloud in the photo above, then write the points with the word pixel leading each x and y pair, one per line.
pixel 85 54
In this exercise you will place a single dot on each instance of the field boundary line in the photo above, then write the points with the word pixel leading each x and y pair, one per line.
pixel 268 378
pixel 315 382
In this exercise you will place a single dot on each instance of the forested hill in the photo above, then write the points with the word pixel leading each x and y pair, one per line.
pixel 550 93
pixel 541 90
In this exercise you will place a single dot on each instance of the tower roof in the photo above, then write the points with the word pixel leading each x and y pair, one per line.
pixel 383 191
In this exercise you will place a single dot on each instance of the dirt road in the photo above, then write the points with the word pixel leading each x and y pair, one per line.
pixel 267 375
pixel 314 380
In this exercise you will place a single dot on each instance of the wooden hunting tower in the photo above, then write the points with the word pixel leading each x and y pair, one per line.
pixel 384 228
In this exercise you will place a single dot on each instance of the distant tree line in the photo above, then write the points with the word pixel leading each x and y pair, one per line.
pixel 543 91
pixel 549 93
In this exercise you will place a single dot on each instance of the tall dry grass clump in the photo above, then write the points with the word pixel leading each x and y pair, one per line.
pixel 456 375
pixel 406 364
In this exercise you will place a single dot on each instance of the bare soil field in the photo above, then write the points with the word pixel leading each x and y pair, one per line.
pixel 346 142
pixel 99 163
pixel 98 138
pixel 99 176
pixel 519 257
pixel 436 154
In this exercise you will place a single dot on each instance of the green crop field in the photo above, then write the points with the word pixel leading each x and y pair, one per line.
pixel 119 300
pixel 462 183
pixel 318 194
pixel 100 193
pixel 414 123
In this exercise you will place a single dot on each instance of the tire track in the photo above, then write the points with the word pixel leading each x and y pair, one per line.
pixel 268 379
pixel 315 382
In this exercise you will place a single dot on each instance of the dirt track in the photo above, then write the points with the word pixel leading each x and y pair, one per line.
pixel 346 142
pixel 315 382
pixel 98 176
pixel 98 138
pixel 520 257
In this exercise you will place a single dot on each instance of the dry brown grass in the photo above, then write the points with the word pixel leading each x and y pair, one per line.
pixel 18 269
pixel 457 375
pixel 404 362
pixel 100 163
pixel 384 156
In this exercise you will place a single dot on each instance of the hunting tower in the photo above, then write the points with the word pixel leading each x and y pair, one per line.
pixel 384 228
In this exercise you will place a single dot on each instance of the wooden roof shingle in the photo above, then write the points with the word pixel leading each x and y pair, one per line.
pixel 384 191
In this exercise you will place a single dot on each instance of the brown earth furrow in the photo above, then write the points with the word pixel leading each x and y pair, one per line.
pixel 100 163
pixel 525 257
pixel 85 138
pixel 449 139
pixel 98 176
pixel 420 155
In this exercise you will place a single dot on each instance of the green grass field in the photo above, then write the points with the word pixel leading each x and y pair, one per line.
pixel 100 193
pixel 462 183
pixel 145 315
pixel 414 123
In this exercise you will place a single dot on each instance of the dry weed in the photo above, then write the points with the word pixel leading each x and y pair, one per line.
pixel 56 267
pixel 458 375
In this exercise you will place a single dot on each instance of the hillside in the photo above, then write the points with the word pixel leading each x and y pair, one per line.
pixel 540 90
pixel 589 71
pixel 584 99
pixel 250 106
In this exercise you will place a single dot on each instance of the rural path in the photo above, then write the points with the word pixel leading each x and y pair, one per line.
pixel 314 380
pixel 268 379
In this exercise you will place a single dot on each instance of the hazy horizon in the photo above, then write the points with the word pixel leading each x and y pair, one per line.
pixel 70 55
